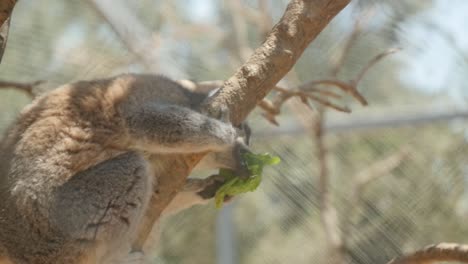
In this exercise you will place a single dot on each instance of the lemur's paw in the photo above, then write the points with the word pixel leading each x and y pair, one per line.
pixel 239 150
pixel 244 132
pixel 225 133
pixel 197 185
pixel 212 184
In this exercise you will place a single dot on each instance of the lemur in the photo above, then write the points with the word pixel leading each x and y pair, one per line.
pixel 76 172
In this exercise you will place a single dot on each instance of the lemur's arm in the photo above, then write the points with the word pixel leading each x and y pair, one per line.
pixel 160 128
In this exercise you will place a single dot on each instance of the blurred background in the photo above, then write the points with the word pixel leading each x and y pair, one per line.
pixel 386 179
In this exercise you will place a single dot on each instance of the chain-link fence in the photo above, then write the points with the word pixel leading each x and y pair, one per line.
pixel 387 178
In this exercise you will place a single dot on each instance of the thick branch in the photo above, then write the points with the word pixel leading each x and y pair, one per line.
pixel 312 91
pixel 435 253
pixel 6 7
pixel 272 108
pixel 4 29
pixel 28 88
pixel 301 23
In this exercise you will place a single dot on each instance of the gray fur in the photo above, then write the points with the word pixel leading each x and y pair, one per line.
pixel 74 174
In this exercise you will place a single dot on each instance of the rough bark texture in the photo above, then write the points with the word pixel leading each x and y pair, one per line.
pixel 4 36
pixel 443 252
pixel 302 21
pixel 300 24
pixel 6 7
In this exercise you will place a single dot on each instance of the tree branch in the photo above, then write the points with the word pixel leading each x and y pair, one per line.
pixel 4 29
pixel 311 90
pixel 435 253
pixel 336 238
pixel 379 168
pixel 371 63
pixel 302 21
pixel 305 92
pixel 362 179
pixel 27 88
pixel 328 212
pixel 6 8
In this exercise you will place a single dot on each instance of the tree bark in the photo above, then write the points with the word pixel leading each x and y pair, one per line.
pixel 299 26
pixel 6 7
pixel 4 29
pixel 302 21
pixel 443 252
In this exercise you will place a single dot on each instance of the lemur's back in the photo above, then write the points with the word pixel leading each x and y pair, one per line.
pixel 79 125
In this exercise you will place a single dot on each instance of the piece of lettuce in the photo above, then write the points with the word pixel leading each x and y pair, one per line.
pixel 235 185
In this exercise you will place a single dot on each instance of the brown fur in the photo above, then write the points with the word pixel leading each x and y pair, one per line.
pixel 74 173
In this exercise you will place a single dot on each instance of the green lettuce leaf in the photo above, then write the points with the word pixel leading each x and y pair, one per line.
pixel 235 185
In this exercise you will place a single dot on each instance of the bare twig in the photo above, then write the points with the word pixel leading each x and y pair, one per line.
pixel 302 21
pixel 305 92
pixel 435 253
pixel 362 20
pixel 345 87
pixel 362 179
pixel 379 168
pixel 328 212
pixel 28 88
pixel 336 238
pixel 371 63
pixel 6 7
pixel 309 90
pixel 313 86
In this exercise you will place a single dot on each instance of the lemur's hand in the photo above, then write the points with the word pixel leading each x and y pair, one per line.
pixel 239 149
pixel 242 140
pixel 211 185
